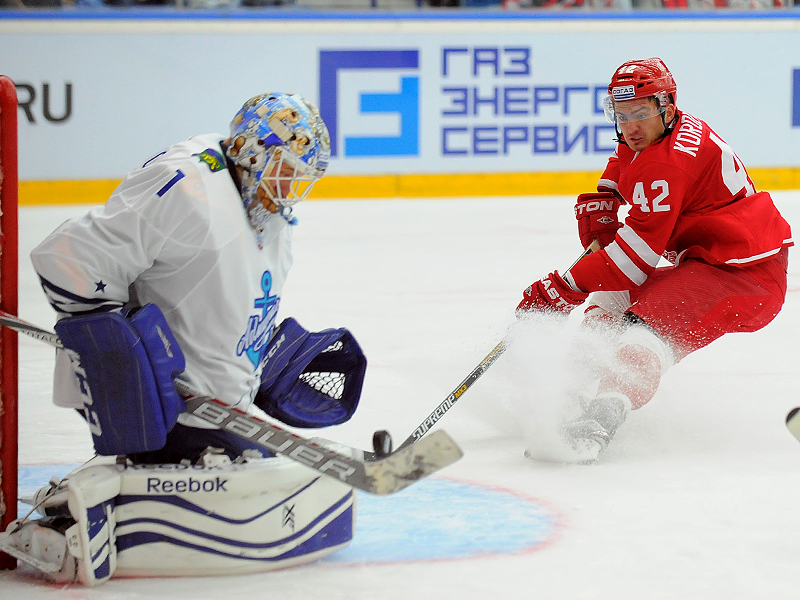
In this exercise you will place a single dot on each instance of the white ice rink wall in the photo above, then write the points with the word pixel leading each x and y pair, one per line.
pixel 426 103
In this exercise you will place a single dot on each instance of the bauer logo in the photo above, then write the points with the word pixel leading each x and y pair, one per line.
pixel 369 99
pixel 624 92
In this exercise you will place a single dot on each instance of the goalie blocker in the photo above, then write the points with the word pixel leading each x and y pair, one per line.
pixel 187 520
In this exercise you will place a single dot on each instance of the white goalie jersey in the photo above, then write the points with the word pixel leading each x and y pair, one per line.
pixel 175 233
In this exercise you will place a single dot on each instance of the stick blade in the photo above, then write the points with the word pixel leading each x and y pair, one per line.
pixel 412 463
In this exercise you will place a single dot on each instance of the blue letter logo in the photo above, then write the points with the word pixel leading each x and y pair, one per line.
pixel 796 98
pixel 404 103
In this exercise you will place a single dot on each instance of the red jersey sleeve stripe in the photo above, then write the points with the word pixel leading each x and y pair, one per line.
pixel 607 184
pixel 624 263
pixel 639 246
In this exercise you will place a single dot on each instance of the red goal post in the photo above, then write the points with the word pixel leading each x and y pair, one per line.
pixel 8 302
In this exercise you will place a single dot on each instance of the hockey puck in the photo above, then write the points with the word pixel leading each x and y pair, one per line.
pixel 382 443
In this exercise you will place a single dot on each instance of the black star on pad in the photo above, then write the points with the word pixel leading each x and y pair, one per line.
pixel 100 286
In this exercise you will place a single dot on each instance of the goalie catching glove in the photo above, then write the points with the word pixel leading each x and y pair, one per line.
pixel 311 379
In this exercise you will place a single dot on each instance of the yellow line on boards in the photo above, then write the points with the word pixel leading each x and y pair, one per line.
pixel 93 191
pixel 452 185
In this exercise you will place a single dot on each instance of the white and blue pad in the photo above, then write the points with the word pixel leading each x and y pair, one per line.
pixel 191 520
pixel 92 492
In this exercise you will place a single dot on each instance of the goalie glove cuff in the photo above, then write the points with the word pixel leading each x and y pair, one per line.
pixel 311 379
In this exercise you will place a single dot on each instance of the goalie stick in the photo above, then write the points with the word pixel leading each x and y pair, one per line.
pixel 376 475
pixel 382 438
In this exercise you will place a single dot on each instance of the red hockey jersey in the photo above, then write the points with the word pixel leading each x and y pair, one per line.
pixel 690 196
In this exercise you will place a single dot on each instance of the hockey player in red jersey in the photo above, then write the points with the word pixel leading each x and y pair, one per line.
pixel 691 203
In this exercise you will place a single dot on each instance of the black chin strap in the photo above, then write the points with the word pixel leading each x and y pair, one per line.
pixel 668 128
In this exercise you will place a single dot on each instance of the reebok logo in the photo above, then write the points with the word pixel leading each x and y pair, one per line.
pixel 155 485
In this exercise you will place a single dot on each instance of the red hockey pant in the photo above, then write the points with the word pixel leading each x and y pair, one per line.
pixel 691 305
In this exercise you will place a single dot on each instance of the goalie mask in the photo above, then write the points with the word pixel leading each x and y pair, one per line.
pixel 280 146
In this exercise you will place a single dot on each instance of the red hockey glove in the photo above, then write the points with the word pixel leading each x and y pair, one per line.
pixel 597 218
pixel 550 294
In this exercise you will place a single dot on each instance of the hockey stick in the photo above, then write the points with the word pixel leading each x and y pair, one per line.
pixel 377 475
pixel 448 402
pixel 474 375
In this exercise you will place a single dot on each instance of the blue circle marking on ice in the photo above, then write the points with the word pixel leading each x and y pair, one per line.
pixel 435 519
pixel 439 519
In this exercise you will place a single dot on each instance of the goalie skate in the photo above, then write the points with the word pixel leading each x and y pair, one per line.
pixel 42 545
pixel 50 500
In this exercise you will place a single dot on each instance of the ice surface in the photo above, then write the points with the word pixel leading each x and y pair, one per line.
pixel 696 497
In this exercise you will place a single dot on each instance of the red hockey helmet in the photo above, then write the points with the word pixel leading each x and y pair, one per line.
pixel 642 79
pixel 648 78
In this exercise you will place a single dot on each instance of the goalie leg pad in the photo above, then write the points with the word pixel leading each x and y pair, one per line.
pixel 311 379
pixel 77 547
pixel 191 520
pixel 260 515
pixel 91 540
pixel 125 368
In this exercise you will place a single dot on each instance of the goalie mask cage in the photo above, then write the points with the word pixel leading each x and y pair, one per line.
pixel 8 303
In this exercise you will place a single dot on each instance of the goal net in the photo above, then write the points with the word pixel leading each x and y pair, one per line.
pixel 8 303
